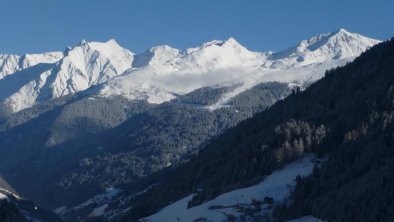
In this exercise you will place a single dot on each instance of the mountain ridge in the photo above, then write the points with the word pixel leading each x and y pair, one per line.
pixel 79 144
pixel 155 75
pixel 346 117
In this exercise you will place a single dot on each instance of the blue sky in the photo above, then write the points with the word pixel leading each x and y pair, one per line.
pixel 29 26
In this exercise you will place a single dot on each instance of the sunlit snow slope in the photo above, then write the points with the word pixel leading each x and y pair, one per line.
pixel 162 73
pixel 276 186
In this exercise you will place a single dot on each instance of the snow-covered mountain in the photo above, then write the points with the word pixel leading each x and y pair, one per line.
pixel 321 48
pixel 34 78
pixel 162 73
pixel 12 63
pixel 212 63
pixel 219 63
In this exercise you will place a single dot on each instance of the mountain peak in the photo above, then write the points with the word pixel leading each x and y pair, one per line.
pixel 212 43
pixel 162 48
pixel 229 41
pixel 216 44
pixel 78 68
pixel 174 71
pixel 339 44
pixel 112 41
pixel 232 42
pixel 82 42
pixel 155 55
pixel 342 30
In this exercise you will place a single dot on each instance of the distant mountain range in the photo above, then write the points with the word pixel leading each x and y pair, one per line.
pixel 259 169
pixel 90 130
pixel 163 73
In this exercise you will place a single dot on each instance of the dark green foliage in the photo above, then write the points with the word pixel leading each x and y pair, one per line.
pixel 262 95
pixel 5 111
pixel 10 213
pixel 355 183
pixel 205 96
pixel 15 208
pixel 348 113
pixel 9 120
pixel 66 151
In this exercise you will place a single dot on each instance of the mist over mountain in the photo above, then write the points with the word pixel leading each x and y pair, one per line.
pixel 345 118
pixel 85 132
pixel 162 73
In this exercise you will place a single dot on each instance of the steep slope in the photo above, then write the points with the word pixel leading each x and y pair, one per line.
pixel 336 45
pixel 38 78
pixel 9 212
pixel 228 63
pixel 84 145
pixel 249 203
pixel 155 55
pixel 12 63
pixel 346 115
pixel 14 208
pixel 62 152
pixel 163 73
pixel 355 183
pixel 183 72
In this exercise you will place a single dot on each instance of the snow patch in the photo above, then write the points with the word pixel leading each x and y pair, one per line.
pixel 277 186
pixel 60 211
pixel 99 211
pixel 109 194
pixel 10 193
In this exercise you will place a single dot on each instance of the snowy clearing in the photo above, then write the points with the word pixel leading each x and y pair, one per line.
pixel 276 186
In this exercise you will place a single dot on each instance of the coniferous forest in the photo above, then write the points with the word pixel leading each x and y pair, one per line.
pixel 346 117
pixel 197 111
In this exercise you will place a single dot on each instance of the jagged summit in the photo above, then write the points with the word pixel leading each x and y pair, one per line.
pixel 77 69
pixel 102 47
pixel 162 72
pixel 10 64
pixel 323 47
pixel 230 42
pixel 82 42
pixel 155 55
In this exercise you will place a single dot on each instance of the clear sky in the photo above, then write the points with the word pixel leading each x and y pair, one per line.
pixel 28 26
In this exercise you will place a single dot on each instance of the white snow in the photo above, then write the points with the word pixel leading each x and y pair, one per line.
pixel 12 63
pixel 277 185
pixel 155 55
pixel 98 211
pixel 2 196
pixel 224 62
pixel 10 193
pixel 162 73
pixel 327 46
pixel 61 210
pixel 306 219
pixel 60 74
pixel 108 195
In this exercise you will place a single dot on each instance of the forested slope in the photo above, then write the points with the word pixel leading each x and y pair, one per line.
pixel 347 115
